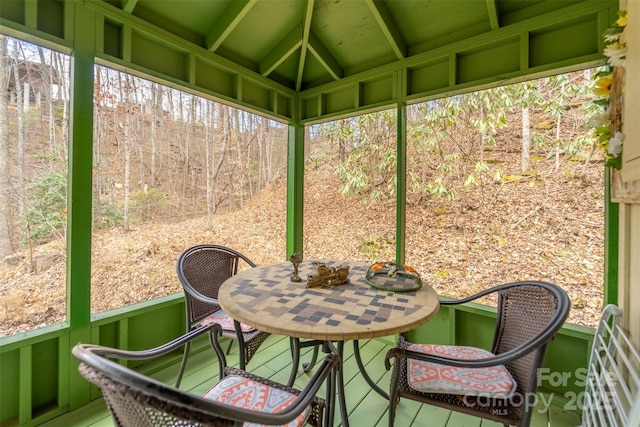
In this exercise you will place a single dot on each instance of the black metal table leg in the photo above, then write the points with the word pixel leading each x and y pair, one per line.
pixel 295 359
pixel 340 385
pixel 363 371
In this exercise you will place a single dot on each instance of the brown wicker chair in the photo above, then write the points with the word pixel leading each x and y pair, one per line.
pixel 202 269
pixel 136 400
pixel 529 315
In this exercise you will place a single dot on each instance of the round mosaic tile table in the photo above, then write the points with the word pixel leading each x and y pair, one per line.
pixel 265 297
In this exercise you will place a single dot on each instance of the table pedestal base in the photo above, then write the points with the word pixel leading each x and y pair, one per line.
pixel 328 346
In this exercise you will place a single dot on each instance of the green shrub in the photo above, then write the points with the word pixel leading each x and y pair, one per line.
pixel 46 213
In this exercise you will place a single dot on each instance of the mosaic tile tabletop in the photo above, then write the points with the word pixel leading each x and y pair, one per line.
pixel 265 298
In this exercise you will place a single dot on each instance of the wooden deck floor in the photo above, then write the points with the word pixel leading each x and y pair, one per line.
pixel 366 408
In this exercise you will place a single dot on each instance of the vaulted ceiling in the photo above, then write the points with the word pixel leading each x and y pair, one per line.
pixel 305 43
pixel 311 60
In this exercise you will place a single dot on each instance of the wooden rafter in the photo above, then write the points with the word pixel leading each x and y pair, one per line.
pixel 282 51
pixel 325 57
pixel 306 29
pixel 129 5
pixel 228 22
pixel 492 9
pixel 388 27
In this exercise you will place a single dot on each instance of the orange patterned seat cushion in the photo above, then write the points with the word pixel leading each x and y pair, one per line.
pixel 225 321
pixel 242 392
pixel 427 377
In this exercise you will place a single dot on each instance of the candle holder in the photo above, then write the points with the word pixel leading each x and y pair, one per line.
pixel 295 259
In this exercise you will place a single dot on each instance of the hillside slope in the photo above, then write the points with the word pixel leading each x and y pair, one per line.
pixel 543 227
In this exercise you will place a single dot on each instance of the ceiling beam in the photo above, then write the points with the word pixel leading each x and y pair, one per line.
pixel 325 57
pixel 388 27
pixel 282 51
pixel 227 22
pixel 306 29
pixel 492 8
pixel 129 5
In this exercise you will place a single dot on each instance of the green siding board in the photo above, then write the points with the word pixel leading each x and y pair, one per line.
pixel 215 79
pixel 158 57
pixel 428 78
pixel 13 10
pixel 50 17
pixel 283 105
pixel 474 329
pixel 25 403
pixel 488 61
pixel 9 385
pixel 112 39
pixel 310 107
pixel 44 380
pixel 377 91
pixel 340 101
pixel 167 325
pixel 107 335
pixel 436 331
pixel 257 95
pixel 565 374
pixel 551 44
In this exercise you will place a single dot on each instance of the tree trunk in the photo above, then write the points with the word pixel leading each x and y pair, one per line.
pixel 20 124
pixel 558 123
pixel 208 154
pixel 526 140
pixel 124 97
pixel 156 99
pixel 47 83
pixel 5 207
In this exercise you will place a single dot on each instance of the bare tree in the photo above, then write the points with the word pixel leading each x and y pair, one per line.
pixel 5 210
pixel 124 87
pixel 20 123
pixel 526 140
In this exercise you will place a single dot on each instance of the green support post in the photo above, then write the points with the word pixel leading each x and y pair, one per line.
pixel 79 197
pixel 401 183
pixel 611 230
pixel 295 189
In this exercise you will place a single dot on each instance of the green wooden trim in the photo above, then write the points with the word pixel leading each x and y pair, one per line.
pixel 600 12
pixel 17 341
pixel 128 311
pixel 611 241
pixel 24 387
pixel 34 36
pixel 31 13
pixel 64 357
pixel 295 189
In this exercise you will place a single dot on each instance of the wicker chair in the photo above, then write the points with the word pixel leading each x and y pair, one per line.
pixel 202 269
pixel 136 400
pixel 529 315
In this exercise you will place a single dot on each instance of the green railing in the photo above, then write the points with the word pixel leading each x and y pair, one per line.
pixel 40 380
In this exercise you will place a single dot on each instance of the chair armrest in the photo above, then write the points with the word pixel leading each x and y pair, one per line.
pixel 97 359
pixel 501 359
pixel 533 344
pixel 84 351
pixel 197 295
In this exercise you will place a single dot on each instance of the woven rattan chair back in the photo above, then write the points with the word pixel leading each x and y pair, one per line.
pixel 523 313
pixel 204 268
pixel 529 314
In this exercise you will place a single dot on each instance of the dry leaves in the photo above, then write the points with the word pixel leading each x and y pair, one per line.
pixel 553 231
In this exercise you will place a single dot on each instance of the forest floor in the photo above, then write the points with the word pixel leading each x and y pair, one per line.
pixel 546 226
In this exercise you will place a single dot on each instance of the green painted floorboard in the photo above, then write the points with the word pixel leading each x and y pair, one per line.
pixel 366 408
